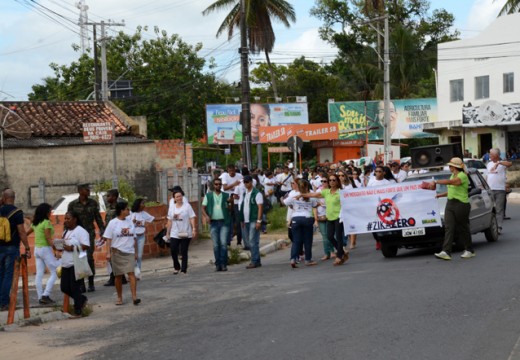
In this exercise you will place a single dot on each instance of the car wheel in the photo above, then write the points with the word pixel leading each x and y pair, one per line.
pixel 389 251
pixel 491 233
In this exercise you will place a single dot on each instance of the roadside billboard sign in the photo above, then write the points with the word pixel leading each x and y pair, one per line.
pixel 223 120
pixel 407 118
pixel 309 132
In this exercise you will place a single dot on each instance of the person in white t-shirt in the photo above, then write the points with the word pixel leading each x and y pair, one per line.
pixel 399 174
pixel 230 180
pixel 284 180
pixel 181 228
pixel 139 218
pixel 496 179
pixel 304 216
pixel 269 185
pixel 251 209
pixel 378 179
pixel 73 236
pixel 121 240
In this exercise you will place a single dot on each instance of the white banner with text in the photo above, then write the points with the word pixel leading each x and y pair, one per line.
pixel 390 207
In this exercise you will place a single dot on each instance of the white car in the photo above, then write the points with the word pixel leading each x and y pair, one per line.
pixel 60 206
pixel 477 164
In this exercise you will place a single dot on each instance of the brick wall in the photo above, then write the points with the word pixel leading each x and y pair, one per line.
pixel 168 150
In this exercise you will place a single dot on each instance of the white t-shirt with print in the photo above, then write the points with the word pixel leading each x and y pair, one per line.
pixel 268 184
pixel 180 218
pixel 77 237
pixel 122 234
pixel 300 207
pixel 139 219
pixel 322 207
pixel 290 195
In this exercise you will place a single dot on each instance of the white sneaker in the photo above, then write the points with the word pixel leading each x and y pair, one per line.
pixel 467 254
pixel 443 255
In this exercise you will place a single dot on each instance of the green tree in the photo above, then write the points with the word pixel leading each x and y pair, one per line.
pixel 510 7
pixel 173 85
pixel 259 14
pixel 414 35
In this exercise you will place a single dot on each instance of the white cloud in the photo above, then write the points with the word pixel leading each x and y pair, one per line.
pixel 483 13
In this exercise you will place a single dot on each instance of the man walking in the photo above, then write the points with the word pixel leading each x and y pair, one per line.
pixel 215 209
pixel 230 180
pixel 496 179
pixel 251 209
pixel 10 250
pixel 88 212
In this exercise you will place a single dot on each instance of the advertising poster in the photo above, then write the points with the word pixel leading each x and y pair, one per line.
pixel 223 120
pixel 390 207
pixel 406 118
pixel 280 134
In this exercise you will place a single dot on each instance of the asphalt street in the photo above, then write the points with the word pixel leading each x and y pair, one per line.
pixel 410 307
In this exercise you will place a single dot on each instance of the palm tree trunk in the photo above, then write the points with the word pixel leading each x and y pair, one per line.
pixel 273 79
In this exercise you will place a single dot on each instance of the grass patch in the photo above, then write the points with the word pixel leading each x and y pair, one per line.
pixel 87 310
pixel 234 255
pixel 277 218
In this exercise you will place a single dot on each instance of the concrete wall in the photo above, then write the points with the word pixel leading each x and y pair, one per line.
pixel 62 168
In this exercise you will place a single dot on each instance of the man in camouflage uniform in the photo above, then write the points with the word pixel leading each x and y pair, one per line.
pixel 88 213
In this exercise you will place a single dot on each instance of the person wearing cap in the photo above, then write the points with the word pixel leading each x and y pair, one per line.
pixel 88 213
pixel 456 214
pixel 251 209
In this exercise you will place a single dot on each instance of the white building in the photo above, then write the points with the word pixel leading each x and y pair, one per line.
pixel 481 75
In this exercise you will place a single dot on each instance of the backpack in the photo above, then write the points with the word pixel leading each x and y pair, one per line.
pixel 5 227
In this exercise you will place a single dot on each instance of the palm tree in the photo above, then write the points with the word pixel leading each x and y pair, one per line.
pixel 259 26
pixel 510 7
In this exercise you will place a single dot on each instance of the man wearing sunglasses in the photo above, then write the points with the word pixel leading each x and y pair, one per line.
pixel 216 208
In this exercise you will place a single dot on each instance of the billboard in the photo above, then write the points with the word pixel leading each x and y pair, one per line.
pixel 280 134
pixel 406 118
pixel 491 113
pixel 223 120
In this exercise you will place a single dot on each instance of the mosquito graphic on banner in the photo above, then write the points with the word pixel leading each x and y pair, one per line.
pixel 380 208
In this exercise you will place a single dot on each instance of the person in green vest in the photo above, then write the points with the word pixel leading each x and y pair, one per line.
pixel 216 210
pixel 251 210
pixel 456 214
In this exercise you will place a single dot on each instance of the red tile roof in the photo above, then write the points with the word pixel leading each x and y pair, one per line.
pixel 64 119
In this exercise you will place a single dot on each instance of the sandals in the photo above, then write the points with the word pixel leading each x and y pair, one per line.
pixel 341 261
pixel 137 302
pixel 119 302
pixel 326 257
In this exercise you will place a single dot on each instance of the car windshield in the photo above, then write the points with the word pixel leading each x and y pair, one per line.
pixel 477 164
pixel 430 176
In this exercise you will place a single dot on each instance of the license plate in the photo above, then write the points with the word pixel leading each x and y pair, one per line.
pixel 414 232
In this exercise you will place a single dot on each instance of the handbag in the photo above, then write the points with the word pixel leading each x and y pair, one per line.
pixel 322 218
pixel 159 239
pixel 81 267
pixel 182 235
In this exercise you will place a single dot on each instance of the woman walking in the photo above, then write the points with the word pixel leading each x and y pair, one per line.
pixel 328 249
pixel 181 229
pixel 139 218
pixel 121 240
pixel 43 233
pixel 77 237
pixel 304 216
pixel 334 227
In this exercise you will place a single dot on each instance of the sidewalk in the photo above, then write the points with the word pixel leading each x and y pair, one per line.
pixel 200 254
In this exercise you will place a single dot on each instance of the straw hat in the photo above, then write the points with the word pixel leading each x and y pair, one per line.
pixel 456 162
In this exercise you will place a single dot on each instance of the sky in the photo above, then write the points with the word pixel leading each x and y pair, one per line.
pixel 32 38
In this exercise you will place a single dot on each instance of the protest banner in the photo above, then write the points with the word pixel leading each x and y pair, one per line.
pixel 390 207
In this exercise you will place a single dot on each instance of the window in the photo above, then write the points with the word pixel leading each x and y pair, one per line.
pixel 509 82
pixel 482 87
pixel 457 90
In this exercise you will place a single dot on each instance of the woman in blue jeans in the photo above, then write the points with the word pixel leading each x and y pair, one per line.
pixel 139 218
pixel 304 217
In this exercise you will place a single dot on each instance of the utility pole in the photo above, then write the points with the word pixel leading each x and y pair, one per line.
pixel 83 20
pixel 386 89
pixel 96 70
pixel 245 115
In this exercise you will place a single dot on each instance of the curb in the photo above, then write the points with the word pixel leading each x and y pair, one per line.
pixel 52 315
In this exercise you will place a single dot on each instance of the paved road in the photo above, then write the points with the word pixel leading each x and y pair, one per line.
pixel 410 307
